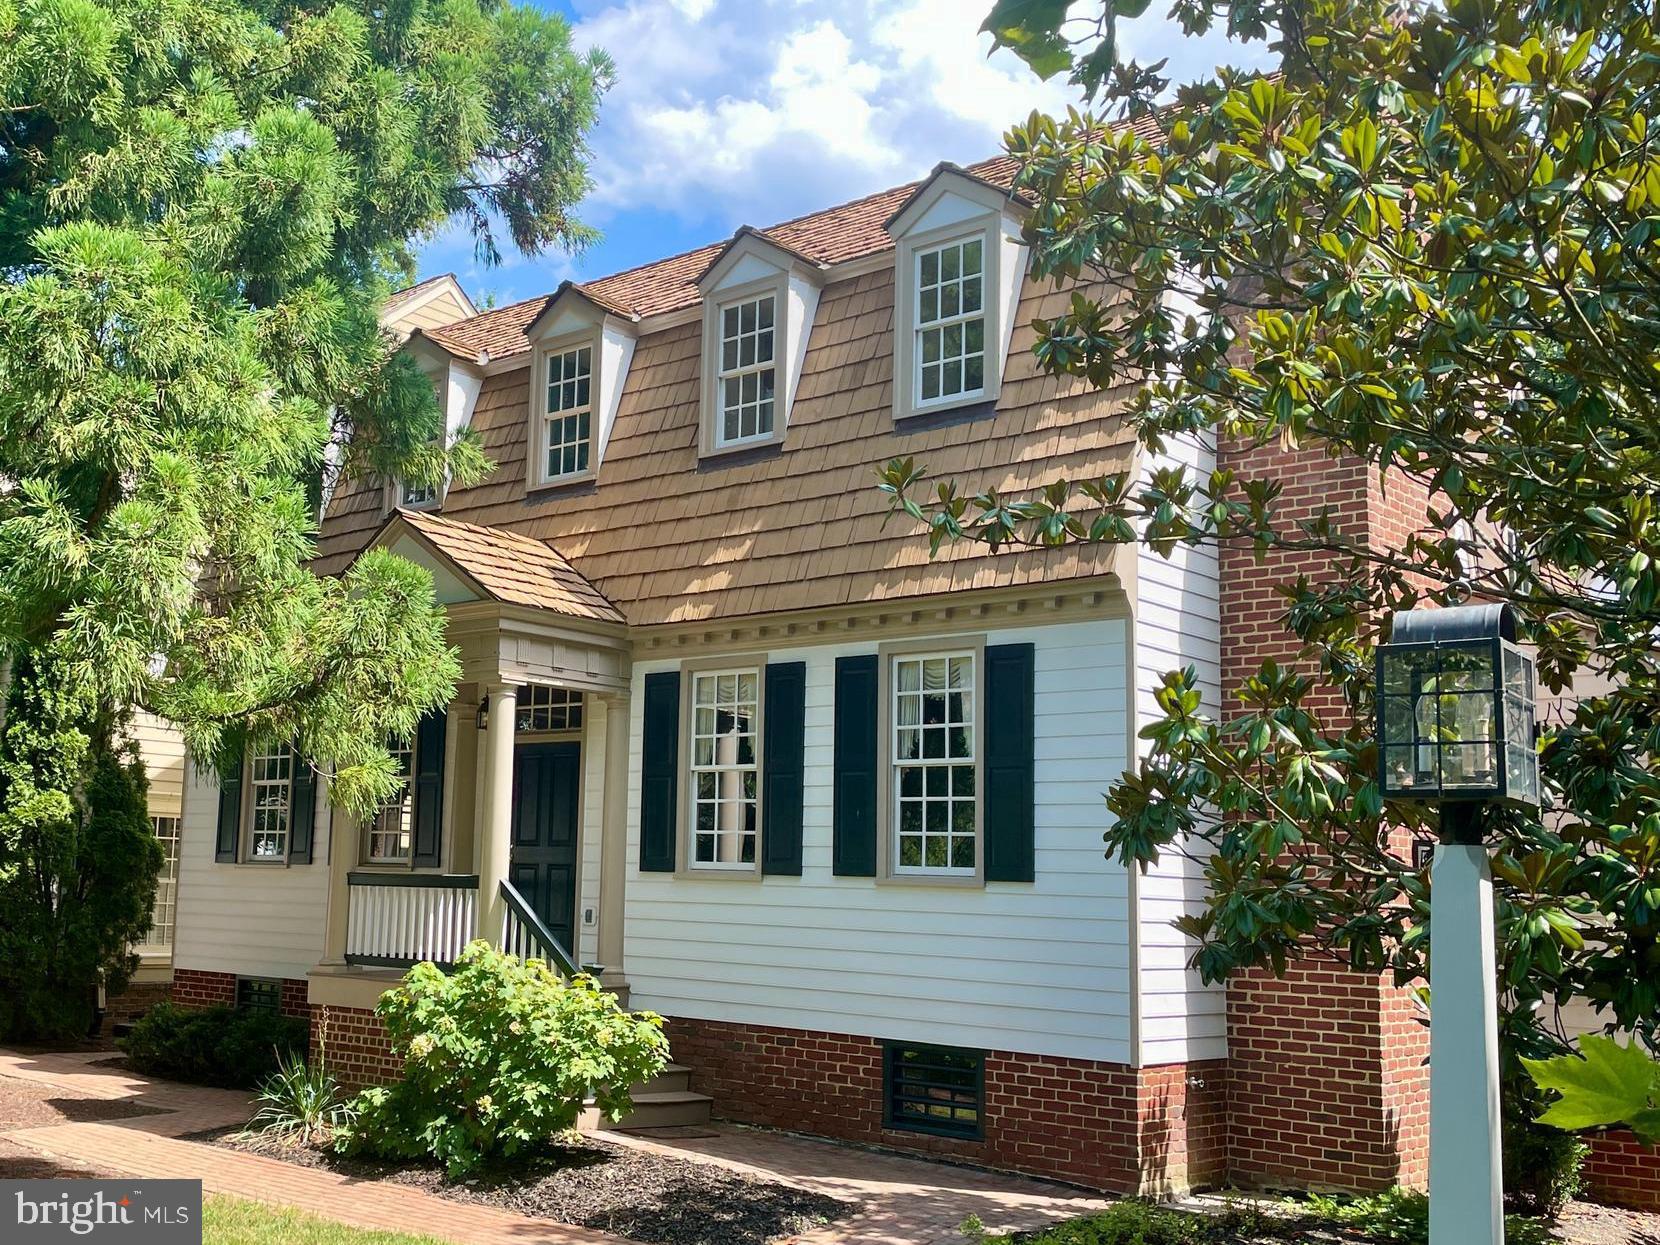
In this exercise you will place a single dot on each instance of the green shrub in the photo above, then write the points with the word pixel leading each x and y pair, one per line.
pixel 223 1046
pixel 499 1056
pixel 1139 1223
pixel 1541 1167
pixel 300 1102
pixel 1401 1217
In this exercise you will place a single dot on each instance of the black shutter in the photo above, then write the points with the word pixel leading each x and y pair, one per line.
pixel 230 810
pixel 659 771
pixel 302 811
pixel 854 803
pixel 785 726
pixel 1009 814
pixel 428 811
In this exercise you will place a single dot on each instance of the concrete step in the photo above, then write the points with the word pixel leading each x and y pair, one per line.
pixel 663 1109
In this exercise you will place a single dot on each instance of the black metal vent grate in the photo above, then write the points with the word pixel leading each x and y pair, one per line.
pixel 259 994
pixel 934 1089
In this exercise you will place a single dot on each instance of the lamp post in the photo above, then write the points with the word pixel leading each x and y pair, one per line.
pixel 1455 728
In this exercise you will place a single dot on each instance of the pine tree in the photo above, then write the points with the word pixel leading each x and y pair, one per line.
pixel 202 205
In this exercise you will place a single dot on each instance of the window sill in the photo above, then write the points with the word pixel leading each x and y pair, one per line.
pixel 946 881
pixel 695 874
pixel 985 401
pixel 561 484
pixel 726 453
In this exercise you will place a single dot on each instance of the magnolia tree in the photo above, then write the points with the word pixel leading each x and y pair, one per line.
pixel 1429 241
pixel 202 204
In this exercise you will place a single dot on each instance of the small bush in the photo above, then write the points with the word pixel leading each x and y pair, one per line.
pixel 1541 1167
pixel 300 1102
pixel 228 1047
pixel 499 1056
pixel 1138 1223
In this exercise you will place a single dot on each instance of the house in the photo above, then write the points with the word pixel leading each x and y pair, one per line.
pixel 726 732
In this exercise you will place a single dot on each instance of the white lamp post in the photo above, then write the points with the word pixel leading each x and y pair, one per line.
pixel 1455 728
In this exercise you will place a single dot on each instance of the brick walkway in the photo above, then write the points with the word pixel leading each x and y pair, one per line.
pixel 904 1201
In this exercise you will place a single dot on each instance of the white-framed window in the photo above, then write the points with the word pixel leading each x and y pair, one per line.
pixel 724 769
pixel 415 496
pixel 164 913
pixel 746 384
pixel 567 426
pixel 950 344
pixel 271 797
pixel 935 780
pixel 391 833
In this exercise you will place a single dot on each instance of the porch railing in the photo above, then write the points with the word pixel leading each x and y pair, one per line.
pixel 394 920
pixel 527 936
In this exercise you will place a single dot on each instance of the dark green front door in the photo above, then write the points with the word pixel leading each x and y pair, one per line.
pixel 543 866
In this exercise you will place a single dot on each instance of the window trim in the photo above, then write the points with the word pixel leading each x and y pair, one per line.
pixel 249 805
pixel 371 827
pixel 783 346
pixel 536 457
pixel 686 811
pixel 167 877
pixel 888 872
pixel 722 374
pixel 907 395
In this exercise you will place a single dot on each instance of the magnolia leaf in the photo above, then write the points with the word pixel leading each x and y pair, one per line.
pixel 1607 1083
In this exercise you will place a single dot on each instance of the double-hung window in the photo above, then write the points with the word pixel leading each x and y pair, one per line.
pixel 748 378
pixel 164 912
pixel 391 833
pixel 271 792
pixel 724 771
pixel 950 330
pixel 567 427
pixel 935 780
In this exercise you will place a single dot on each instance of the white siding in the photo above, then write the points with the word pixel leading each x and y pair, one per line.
pixel 1040 968
pixel 1177 625
pixel 163 751
pixel 256 920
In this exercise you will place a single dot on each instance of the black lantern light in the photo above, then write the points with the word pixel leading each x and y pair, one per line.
pixel 1455 714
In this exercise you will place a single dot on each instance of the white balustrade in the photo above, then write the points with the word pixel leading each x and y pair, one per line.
pixel 401 919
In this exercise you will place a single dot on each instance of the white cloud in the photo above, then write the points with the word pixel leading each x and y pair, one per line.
pixel 757 110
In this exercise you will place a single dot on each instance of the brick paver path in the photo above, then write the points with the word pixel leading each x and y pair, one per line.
pixel 902 1201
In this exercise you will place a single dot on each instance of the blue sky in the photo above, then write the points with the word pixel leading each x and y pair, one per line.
pixel 732 112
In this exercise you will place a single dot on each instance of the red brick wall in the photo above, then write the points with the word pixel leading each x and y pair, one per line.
pixel 133 1001
pixel 1098 1124
pixel 194 987
pixel 354 1046
pixel 1327 1086
pixel 1622 1172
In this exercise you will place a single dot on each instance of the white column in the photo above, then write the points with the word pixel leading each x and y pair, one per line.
pixel 494 832
pixel 344 838
pixel 613 843
pixel 1465 1174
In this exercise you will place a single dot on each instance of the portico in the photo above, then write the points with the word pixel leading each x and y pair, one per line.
pixel 514 821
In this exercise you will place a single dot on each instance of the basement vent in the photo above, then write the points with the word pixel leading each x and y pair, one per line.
pixel 934 1089
pixel 259 994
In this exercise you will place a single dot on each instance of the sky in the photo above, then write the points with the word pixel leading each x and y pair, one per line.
pixel 734 112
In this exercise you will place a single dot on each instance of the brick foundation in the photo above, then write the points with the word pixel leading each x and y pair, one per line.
pixel 1622 1172
pixel 136 998
pixel 1102 1125
pixel 354 1046
pixel 194 987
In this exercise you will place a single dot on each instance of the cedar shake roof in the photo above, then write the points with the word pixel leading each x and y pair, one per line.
pixel 668 538
pixel 512 569
pixel 850 231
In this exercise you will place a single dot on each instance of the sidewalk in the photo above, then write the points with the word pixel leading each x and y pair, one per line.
pixel 904 1201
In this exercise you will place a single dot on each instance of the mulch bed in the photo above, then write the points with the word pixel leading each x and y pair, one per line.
pixel 593 1183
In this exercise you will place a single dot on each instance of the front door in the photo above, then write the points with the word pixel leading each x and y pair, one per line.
pixel 543 865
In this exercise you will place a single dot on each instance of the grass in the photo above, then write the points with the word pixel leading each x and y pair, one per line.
pixel 233 1221
pixel 1399 1217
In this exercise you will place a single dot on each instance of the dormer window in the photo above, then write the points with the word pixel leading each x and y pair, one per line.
pixel 583 351
pixel 407 494
pixel 960 265
pixel 567 430
pixel 951 321
pixel 748 377
pixel 759 299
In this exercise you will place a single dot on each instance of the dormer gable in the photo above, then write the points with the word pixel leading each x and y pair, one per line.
pixel 958 267
pixel 759 300
pixel 456 383
pixel 581 349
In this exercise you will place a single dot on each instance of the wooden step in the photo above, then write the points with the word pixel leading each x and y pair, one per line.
pixel 664 1109
pixel 674 1078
